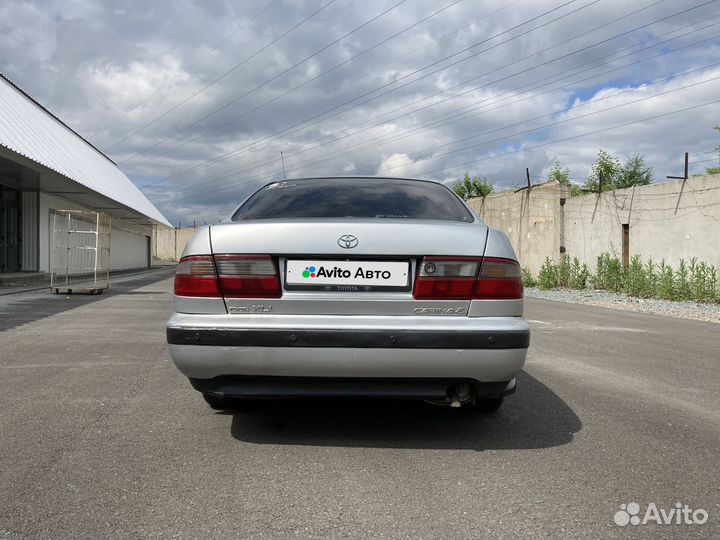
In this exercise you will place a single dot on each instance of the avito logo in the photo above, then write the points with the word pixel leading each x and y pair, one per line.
pixel 335 272
pixel 681 514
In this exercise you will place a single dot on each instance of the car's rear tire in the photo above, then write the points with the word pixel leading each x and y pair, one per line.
pixel 487 405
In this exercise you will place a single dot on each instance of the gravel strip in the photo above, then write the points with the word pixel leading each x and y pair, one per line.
pixel 612 300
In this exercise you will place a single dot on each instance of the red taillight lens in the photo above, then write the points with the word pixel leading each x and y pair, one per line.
pixel 248 276
pixel 195 276
pixel 446 278
pixel 499 279
pixel 466 278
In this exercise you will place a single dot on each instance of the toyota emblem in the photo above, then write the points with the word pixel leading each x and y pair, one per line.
pixel 347 241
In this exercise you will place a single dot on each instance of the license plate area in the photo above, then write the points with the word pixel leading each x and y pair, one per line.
pixel 336 275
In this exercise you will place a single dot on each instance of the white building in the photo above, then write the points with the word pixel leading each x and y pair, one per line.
pixel 46 166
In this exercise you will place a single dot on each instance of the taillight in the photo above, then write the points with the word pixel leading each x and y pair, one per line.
pixel 468 278
pixel 248 276
pixel 499 279
pixel 446 278
pixel 195 276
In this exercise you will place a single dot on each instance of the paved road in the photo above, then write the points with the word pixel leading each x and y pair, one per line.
pixel 100 437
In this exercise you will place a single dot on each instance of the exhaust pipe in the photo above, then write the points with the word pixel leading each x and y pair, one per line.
pixel 460 394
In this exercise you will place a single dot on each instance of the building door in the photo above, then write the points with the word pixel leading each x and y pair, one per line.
pixel 10 227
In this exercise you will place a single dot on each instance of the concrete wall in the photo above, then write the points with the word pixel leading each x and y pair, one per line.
pixel 532 219
pixel 129 249
pixel 168 244
pixel 670 221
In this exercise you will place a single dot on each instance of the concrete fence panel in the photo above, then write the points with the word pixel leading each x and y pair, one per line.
pixel 532 219
pixel 669 221
pixel 168 244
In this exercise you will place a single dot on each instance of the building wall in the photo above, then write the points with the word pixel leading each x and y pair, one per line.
pixel 129 249
pixel 532 219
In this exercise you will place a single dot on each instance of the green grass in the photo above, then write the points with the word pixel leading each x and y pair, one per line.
pixel 692 280
pixel 527 278
pixel 566 274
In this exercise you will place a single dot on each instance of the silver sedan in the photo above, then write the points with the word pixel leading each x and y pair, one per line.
pixel 350 287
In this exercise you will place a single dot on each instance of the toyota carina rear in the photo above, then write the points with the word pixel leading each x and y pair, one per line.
pixel 380 287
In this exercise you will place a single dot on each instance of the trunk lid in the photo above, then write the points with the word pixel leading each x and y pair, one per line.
pixel 374 241
pixel 386 238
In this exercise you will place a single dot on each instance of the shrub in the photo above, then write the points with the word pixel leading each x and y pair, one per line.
pixel 682 282
pixel 639 279
pixel 666 282
pixel 691 281
pixel 548 276
pixel 527 278
pixel 703 282
pixel 563 272
pixel 652 277
pixel 578 275
pixel 609 274
pixel 566 274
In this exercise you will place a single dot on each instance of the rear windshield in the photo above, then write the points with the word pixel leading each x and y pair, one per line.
pixel 354 198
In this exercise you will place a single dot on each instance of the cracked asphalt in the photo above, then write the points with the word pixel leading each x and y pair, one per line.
pixel 100 436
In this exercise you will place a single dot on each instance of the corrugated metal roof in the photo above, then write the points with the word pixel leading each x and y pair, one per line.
pixel 29 129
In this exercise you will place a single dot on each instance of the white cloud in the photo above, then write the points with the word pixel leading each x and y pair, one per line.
pixel 107 69
pixel 400 165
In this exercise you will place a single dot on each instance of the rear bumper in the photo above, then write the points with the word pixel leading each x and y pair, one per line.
pixel 284 387
pixel 487 349
pixel 352 339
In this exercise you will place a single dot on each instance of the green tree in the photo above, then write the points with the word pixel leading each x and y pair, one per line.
pixel 561 175
pixel 607 165
pixel 467 188
pixel 558 174
pixel 634 172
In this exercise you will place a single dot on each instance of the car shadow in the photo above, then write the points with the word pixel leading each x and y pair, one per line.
pixel 533 417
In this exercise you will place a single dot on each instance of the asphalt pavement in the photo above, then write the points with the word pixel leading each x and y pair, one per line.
pixel 100 436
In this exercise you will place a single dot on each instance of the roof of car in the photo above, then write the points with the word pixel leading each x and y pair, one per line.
pixel 352 177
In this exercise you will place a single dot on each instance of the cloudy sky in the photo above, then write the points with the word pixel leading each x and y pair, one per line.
pixel 196 101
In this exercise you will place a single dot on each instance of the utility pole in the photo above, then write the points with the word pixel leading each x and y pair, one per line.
pixel 282 158
pixel 683 178
pixel 527 176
